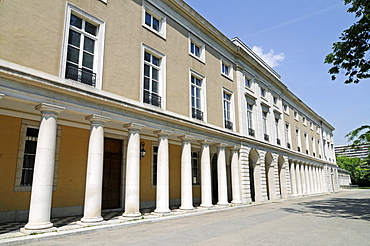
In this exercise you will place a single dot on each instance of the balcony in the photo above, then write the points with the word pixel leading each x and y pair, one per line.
pixel 228 124
pixel 278 141
pixel 299 149
pixel 152 99
pixel 196 114
pixel 288 145
pixel 80 74
pixel 266 137
pixel 307 152
pixel 251 132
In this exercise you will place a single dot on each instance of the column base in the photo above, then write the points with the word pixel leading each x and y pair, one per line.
pixel 37 231
pixel 236 202
pixel 186 208
pixel 162 211
pixel 38 226
pixel 223 204
pixel 91 220
pixel 130 215
pixel 206 205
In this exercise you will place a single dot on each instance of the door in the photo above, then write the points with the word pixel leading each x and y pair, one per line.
pixel 112 173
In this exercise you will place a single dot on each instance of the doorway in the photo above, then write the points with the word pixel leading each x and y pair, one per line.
pixel 112 170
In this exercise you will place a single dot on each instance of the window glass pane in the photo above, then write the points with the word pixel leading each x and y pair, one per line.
pixel 155 61
pixel 88 60
pixel 32 132
pixel 147 56
pixel 74 38
pixel 192 48
pixel 197 92
pixel 146 70
pixel 193 102
pixel 196 50
pixel 89 45
pixel 155 74
pixel 155 24
pixel 73 54
pixel 148 19
pixel 146 83
pixel 90 28
pixel 155 86
pixel 76 21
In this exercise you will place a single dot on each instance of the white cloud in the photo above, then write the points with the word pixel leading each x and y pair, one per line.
pixel 272 59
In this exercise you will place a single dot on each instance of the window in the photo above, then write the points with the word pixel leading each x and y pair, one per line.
pixel 195 168
pixel 247 82
pixel 196 97
pixel 277 131
pixel 153 76
pixel 154 21
pixel 311 125
pixel 196 48
pixel 287 136
pixel 264 125
pixel 275 99
pixel 83 47
pixel 304 121
pixel 154 165
pixel 296 115
pixel 313 146
pixel 306 143
pixel 298 139
pixel 286 109
pixel 250 119
pixel 227 110
pixel 263 92
pixel 226 69
pixel 27 153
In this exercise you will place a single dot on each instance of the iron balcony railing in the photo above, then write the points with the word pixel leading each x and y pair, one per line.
pixel 288 145
pixel 196 114
pixel 278 141
pixel 251 132
pixel 152 99
pixel 299 149
pixel 228 124
pixel 79 74
pixel 266 137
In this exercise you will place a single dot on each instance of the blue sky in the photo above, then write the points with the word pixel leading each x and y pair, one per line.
pixel 295 36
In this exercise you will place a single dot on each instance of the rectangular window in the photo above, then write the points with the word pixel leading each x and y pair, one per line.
pixel 298 139
pixel 227 110
pixel 287 136
pixel 196 48
pixel 154 21
pixel 225 69
pixel 152 79
pixel 196 97
pixel 277 131
pixel 264 125
pixel 304 121
pixel 154 165
pixel 313 146
pixel 263 92
pixel 247 82
pixel 29 156
pixel 306 143
pixel 296 116
pixel 275 99
pixel 250 119
pixel 195 168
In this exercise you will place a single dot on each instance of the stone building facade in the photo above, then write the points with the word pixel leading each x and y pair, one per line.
pixel 124 105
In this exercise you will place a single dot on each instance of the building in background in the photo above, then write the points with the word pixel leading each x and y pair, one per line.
pixel 125 105
pixel 359 152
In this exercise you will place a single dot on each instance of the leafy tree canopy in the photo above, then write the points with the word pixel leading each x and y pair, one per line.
pixel 351 54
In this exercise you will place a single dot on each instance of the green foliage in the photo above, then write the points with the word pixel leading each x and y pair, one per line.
pixel 354 166
pixel 351 54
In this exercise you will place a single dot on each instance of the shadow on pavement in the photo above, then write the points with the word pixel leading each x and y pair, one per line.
pixel 347 208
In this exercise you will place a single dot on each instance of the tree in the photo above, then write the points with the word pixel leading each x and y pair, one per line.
pixel 351 54
pixel 354 166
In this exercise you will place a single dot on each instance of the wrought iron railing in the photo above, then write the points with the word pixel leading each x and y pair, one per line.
pixel 251 132
pixel 196 114
pixel 288 145
pixel 152 99
pixel 228 124
pixel 278 141
pixel 266 137
pixel 79 74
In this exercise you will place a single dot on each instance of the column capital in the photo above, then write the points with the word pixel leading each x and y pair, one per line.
pixel 49 108
pixel 205 142
pixel 234 148
pixel 221 145
pixel 133 126
pixel 163 133
pixel 186 138
pixel 1 95
pixel 96 118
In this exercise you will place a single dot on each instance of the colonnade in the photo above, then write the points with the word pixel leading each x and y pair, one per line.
pixel 41 194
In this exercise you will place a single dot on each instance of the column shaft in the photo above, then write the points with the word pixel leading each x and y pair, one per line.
pixel 298 179
pixel 221 176
pixel 206 185
pixel 293 181
pixel 235 177
pixel 186 174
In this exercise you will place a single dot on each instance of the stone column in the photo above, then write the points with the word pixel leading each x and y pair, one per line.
pixel 221 175
pixel 283 179
pixel 298 179
pixel 162 201
pixel 312 185
pixel 235 176
pixel 205 171
pixel 293 181
pixel 186 174
pixel 94 174
pixel 314 179
pixel 257 173
pixel 246 179
pixel 307 177
pixel 132 194
pixel 319 186
pixel 42 184
pixel 303 179
pixel 324 186
pixel 271 178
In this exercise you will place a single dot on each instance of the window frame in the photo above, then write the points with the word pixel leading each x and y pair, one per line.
pixel 99 43
pixel 161 75
pixel 202 47
pixel 153 168
pixel 198 168
pixel 21 148
pixel 230 72
pixel 229 111
pixel 298 139
pixel 287 134
pixel 162 20
pixel 202 88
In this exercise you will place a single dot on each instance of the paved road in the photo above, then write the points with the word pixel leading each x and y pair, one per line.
pixel 336 219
